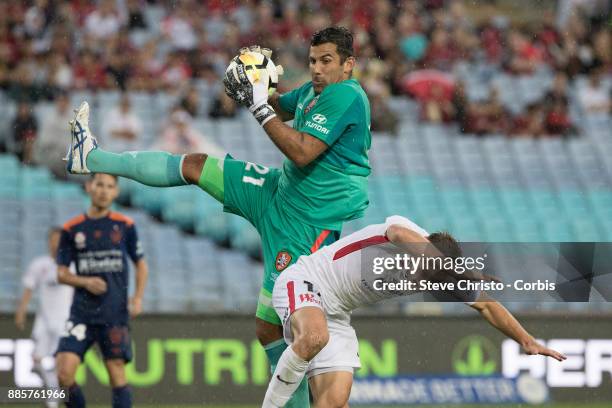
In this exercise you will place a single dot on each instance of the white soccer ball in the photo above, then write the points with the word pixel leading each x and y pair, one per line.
pixel 259 66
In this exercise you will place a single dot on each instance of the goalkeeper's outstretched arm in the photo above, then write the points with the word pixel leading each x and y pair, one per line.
pixel 500 318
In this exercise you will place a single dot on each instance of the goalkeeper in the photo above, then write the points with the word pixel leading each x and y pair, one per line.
pixel 296 209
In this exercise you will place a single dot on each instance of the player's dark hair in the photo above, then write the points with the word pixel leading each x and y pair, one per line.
pixel 445 243
pixel 340 36
pixel 93 176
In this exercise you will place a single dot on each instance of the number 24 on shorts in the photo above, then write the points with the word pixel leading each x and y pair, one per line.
pixel 258 181
pixel 78 331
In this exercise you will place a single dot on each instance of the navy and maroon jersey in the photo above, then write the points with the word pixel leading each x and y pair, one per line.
pixel 100 247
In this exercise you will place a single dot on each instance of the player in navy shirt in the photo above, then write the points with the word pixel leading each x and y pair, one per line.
pixel 99 243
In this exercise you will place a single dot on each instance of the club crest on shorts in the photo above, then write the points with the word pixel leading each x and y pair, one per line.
pixel 283 259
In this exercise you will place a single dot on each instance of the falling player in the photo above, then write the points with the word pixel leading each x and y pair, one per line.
pixel 99 242
pixel 315 298
pixel 296 209
pixel 53 309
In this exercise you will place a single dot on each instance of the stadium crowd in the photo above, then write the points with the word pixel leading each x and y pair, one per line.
pixel 51 47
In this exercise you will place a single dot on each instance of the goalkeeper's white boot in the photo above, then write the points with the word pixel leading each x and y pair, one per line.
pixel 83 142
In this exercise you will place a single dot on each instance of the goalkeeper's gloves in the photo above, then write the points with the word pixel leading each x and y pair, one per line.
pixel 253 95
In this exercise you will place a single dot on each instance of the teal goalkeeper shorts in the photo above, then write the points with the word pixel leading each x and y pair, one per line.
pixel 249 190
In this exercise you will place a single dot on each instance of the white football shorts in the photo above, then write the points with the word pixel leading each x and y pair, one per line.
pixel 295 289
pixel 46 338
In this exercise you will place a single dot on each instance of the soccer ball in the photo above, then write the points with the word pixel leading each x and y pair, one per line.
pixel 258 65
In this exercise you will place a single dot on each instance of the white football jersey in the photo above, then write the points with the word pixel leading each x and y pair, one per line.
pixel 54 299
pixel 337 269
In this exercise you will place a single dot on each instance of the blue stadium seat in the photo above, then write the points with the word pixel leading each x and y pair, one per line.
pixel 244 237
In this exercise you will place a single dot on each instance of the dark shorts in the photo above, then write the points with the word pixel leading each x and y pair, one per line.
pixel 114 340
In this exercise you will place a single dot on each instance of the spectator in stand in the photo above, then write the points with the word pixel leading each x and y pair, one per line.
pixel 488 116
pixel 222 107
pixel 50 144
pixel 523 57
pixel 4 76
pixel 595 97
pixel 119 57
pixel 47 45
pixel 104 22
pixel 146 69
pixel 9 47
pixel 602 48
pixel 177 72
pixel 440 53
pixel 558 91
pixel 558 121
pixel 25 129
pixel 180 136
pixel 136 19
pixel 21 85
pixel 437 107
pixel 466 44
pixel 123 129
pixel 413 43
pixel 384 119
pixel 36 22
pixel 460 107
pixel 179 28
pixel 530 123
pixel 60 73
pixel 491 38
pixel 190 102
pixel 89 72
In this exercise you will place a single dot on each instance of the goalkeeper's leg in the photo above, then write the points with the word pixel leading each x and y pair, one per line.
pixel 161 169
pixel 157 169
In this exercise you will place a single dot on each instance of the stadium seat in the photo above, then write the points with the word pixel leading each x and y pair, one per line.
pixel 466 229
pixel 243 237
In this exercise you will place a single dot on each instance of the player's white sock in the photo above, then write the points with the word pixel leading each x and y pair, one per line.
pixel 287 377
pixel 47 374
pixel 49 377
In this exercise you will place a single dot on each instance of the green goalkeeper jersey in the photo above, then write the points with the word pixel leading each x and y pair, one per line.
pixel 333 188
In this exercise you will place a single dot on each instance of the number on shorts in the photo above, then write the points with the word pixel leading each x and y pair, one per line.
pixel 77 331
pixel 309 286
pixel 258 181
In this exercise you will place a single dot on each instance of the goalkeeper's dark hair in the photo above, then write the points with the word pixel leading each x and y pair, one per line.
pixel 445 243
pixel 340 36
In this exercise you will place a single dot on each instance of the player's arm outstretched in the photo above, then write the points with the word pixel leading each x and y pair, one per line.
pixel 500 318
